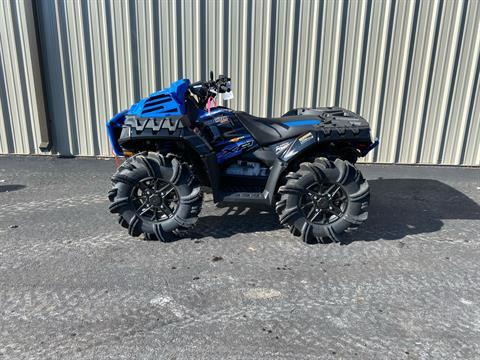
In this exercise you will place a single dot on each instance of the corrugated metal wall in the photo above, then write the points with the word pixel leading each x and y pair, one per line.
pixel 410 67
pixel 22 107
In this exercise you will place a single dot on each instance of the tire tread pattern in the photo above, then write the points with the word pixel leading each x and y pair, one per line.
pixel 324 170
pixel 150 164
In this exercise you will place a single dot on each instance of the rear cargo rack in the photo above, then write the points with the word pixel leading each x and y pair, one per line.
pixel 326 114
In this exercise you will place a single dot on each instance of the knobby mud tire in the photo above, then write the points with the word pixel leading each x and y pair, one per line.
pixel 323 171
pixel 168 169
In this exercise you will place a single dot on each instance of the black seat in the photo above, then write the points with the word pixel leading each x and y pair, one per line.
pixel 267 131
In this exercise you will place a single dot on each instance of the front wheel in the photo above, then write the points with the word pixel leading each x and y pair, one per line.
pixel 155 195
pixel 323 199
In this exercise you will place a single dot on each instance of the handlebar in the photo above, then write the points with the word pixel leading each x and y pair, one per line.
pixel 223 84
pixel 206 89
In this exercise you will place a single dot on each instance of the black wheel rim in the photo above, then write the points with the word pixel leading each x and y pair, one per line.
pixel 155 199
pixel 323 203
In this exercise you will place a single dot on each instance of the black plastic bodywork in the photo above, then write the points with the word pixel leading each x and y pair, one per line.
pixel 339 133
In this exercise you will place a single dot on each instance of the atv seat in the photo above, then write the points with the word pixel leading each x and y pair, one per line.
pixel 267 131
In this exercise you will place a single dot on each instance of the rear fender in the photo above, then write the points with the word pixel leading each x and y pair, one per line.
pixel 289 149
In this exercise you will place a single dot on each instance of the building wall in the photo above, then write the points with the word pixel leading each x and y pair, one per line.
pixel 410 67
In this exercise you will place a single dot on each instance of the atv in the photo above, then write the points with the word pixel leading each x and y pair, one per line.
pixel 177 142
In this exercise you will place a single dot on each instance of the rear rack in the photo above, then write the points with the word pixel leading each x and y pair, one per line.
pixel 326 114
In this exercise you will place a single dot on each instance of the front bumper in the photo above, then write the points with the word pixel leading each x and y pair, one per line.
pixel 114 128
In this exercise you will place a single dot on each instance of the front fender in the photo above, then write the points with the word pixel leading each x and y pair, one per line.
pixel 114 128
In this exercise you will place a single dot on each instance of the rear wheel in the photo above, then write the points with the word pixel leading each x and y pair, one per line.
pixel 323 199
pixel 155 195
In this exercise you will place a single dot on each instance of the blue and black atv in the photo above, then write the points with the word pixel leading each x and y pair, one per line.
pixel 178 142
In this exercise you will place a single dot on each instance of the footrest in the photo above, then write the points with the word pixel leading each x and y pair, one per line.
pixel 244 197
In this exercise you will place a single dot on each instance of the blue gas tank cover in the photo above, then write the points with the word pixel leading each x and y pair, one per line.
pixel 167 102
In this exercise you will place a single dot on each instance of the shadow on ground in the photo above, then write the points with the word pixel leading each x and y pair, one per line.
pixel 401 207
pixel 12 187
pixel 398 207
pixel 236 220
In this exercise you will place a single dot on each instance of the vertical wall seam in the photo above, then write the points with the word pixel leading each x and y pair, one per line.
pixel 386 67
pixel 248 57
pixel 111 59
pixel 157 59
pixel 179 38
pixel 133 38
pixel 46 137
pixel 317 65
pixel 65 56
pixel 226 36
pixel 453 81
pixel 295 37
pixel 366 33
pixel 341 55
pixel 92 95
pixel 271 59
pixel 204 67
pixel 7 130
pixel 429 82
pixel 408 76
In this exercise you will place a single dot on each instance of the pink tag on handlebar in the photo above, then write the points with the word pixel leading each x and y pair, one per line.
pixel 209 101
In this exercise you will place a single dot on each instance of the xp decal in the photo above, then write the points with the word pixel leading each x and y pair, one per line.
pixel 235 147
